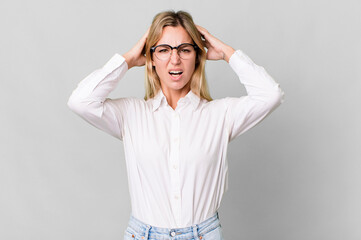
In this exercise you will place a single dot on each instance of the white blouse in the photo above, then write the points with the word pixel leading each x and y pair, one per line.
pixel 176 159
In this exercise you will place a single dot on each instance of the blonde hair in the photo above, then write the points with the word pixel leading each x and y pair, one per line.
pixel 198 84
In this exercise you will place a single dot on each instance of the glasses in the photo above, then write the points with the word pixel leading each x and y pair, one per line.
pixel 164 51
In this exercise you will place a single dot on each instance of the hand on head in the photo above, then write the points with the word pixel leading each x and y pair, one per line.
pixel 135 56
pixel 216 49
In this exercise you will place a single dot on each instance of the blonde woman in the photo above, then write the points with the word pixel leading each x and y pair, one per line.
pixel 176 138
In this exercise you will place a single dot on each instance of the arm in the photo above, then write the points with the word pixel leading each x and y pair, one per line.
pixel 263 96
pixel 89 100
pixel 263 93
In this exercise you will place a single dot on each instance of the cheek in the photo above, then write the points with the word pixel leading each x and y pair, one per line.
pixel 160 68
pixel 191 66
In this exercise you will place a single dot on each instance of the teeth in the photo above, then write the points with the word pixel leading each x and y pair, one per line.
pixel 175 72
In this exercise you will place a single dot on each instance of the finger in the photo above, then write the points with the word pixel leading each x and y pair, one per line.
pixel 208 45
pixel 202 31
pixel 205 43
pixel 206 34
pixel 146 33
pixel 142 41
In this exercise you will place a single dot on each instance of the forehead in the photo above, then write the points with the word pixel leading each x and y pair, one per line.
pixel 174 36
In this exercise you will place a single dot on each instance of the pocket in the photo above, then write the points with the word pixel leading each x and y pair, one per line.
pixel 214 234
pixel 130 234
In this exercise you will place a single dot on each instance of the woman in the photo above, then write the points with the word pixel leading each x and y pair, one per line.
pixel 176 138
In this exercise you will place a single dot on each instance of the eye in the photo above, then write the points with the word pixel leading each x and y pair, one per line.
pixel 163 50
pixel 186 49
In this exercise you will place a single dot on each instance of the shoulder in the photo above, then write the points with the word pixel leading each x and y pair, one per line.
pixel 130 103
pixel 225 103
pixel 215 104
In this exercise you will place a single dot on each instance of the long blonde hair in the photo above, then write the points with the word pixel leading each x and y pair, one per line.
pixel 198 84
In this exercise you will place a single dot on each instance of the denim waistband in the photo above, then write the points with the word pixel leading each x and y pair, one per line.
pixel 139 230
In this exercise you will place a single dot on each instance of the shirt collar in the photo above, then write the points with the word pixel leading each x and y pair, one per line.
pixel 160 98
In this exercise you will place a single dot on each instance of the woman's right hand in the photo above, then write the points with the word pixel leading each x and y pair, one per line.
pixel 135 56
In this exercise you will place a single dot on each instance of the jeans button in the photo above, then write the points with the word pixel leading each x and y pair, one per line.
pixel 172 234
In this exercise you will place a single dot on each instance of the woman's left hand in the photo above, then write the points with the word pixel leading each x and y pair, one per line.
pixel 217 50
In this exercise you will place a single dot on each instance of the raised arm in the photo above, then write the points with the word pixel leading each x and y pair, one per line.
pixel 263 93
pixel 89 100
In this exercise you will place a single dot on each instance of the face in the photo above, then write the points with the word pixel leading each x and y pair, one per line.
pixel 174 36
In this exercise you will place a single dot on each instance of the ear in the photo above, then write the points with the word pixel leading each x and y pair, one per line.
pixel 153 64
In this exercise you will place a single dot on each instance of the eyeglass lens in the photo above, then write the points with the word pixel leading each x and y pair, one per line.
pixel 184 51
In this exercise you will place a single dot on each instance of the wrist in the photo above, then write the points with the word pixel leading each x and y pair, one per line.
pixel 227 53
pixel 129 60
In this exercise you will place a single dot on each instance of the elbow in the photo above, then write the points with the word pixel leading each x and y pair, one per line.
pixel 75 105
pixel 280 96
pixel 276 98
pixel 85 107
pixel 72 103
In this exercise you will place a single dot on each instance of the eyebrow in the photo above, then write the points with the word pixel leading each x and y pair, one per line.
pixel 171 45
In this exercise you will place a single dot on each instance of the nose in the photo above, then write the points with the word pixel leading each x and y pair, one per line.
pixel 174 57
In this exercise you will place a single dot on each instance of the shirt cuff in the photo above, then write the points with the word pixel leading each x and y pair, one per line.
pixel 239 60
pixel 115 62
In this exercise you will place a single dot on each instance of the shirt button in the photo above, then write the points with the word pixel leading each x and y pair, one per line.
pixel 175 166
pixel 175 139
pixel 176 197
pixel 172 234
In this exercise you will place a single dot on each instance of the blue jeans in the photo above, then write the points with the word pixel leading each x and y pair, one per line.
pixel 209 229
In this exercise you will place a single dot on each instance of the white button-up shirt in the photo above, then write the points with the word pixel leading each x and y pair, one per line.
pixel 176 158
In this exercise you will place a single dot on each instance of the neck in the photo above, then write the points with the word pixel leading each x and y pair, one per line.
pixel 173 95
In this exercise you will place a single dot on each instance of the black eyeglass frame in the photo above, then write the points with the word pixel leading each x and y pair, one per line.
pixel 152 49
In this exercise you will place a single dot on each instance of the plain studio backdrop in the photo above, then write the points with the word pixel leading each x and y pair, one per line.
pixel 295 176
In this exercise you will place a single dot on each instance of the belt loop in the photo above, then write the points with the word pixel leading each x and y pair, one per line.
pixel 195 232
pixel 219 220
pixel 146 234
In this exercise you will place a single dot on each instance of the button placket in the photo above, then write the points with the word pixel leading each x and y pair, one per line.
pixel 174 166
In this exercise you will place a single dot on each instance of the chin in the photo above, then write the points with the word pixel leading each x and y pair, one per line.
pixel 175 85
pixel 178 85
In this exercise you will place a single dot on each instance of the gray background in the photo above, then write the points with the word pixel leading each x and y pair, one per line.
pixel 295 176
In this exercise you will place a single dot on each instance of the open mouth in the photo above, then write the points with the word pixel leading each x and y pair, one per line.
pixel 175 75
